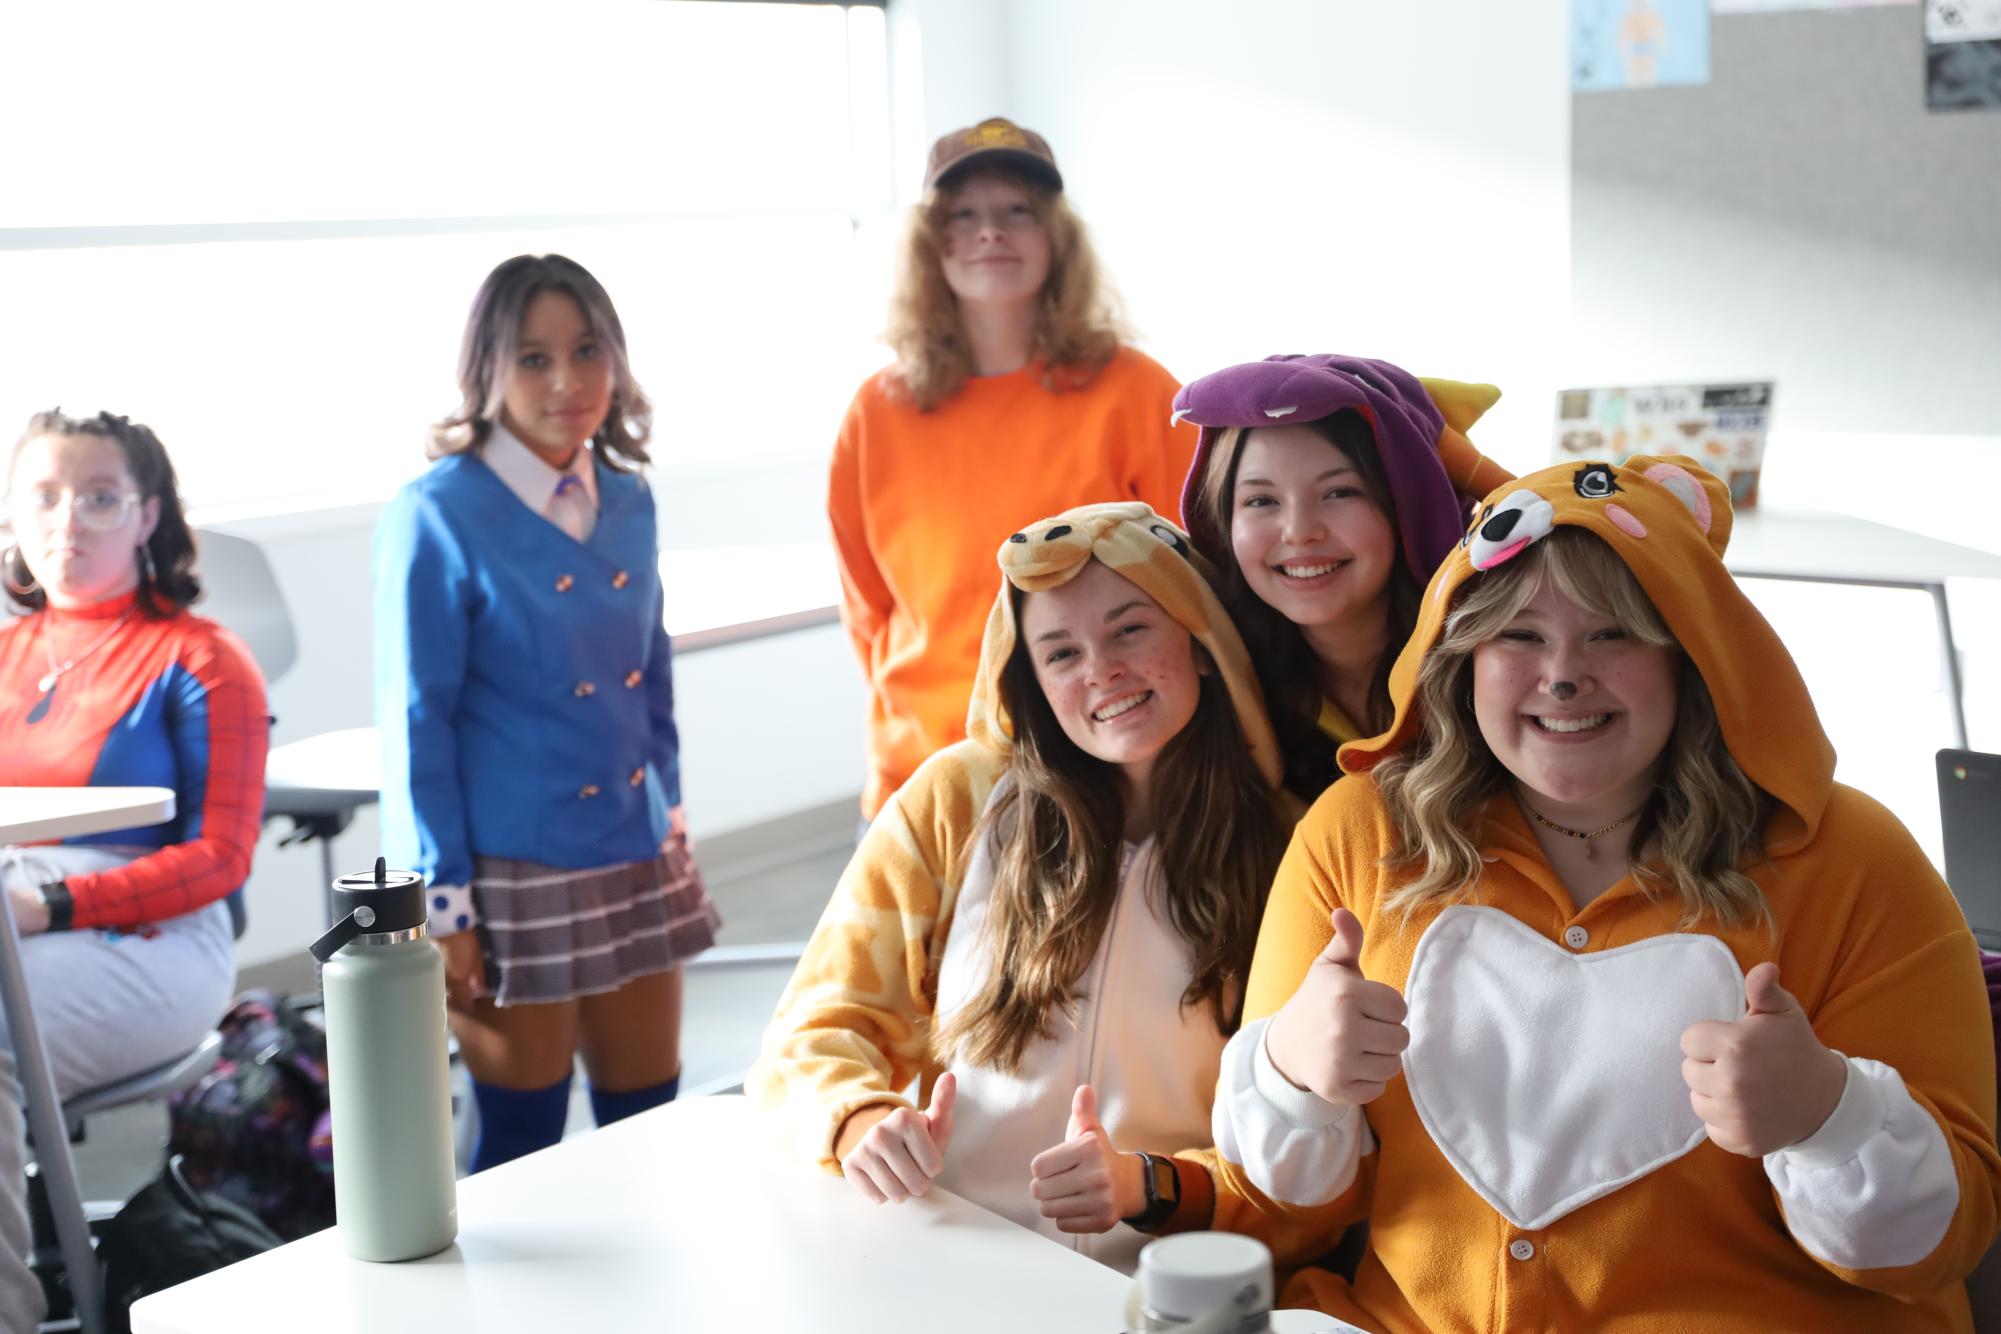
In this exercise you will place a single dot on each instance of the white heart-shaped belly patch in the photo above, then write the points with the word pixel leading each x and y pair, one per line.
pixel 1550 1079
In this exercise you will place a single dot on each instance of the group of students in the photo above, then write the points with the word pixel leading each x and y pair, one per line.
pixel 1586 999
pixel 1587 990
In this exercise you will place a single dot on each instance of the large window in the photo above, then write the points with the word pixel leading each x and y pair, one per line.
pixel 259 227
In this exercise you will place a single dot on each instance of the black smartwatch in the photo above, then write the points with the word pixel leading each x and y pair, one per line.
pixel 1163 1191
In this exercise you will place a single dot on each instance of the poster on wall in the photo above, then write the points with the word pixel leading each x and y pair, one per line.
pixel 1963 55
pixel 1722 426
pixel 1618 44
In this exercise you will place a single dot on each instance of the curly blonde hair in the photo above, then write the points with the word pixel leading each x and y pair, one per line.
pixel 1077 325
pixel 1705 818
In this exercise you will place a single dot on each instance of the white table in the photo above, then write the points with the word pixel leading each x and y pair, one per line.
pixel 689 1217
pixel 1838 549
pixel 36 815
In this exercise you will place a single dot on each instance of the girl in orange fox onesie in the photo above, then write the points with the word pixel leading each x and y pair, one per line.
pixel 1596 995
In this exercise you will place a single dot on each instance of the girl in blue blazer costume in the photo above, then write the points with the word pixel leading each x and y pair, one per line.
pixel 525 697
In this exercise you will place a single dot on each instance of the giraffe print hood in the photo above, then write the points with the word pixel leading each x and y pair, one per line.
pixel 1156 556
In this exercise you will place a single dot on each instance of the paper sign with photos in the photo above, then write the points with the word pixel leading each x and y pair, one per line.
pixel 1721 425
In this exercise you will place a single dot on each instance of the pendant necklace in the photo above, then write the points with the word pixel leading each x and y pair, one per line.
pixel 47 685
pixel 1587 835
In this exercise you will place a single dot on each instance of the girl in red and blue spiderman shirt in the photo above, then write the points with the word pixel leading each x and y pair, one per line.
pixel 108 680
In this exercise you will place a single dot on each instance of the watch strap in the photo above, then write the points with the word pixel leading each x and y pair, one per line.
pixel 55 896
pixel 1159 1208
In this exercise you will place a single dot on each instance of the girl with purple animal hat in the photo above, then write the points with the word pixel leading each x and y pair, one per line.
pixel 1326 489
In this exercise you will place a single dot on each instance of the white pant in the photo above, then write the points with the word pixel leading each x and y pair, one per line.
pixel 108 1006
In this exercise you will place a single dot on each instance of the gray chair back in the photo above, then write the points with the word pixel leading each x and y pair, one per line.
pixel 241 594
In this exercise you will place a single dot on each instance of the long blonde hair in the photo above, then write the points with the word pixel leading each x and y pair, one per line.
pixel 1054 831
pixel 1077 327
pixel 1705 818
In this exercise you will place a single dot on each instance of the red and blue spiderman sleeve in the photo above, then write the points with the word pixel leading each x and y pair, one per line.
pixel 220 731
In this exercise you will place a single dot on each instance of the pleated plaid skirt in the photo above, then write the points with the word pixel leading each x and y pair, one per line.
pixel 551 934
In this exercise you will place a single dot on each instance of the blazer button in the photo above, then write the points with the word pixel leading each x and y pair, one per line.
pixel 587 791
pixel 638 776
pixel 621 579
pixel 633 678
pixel 565 582
pixel 585 690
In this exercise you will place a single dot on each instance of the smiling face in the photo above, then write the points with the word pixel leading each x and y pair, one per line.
pixel 1310 540
pixel 78 517
pixel 1119 673
pixel 1576 707
pixel 559 388
pixel 994 248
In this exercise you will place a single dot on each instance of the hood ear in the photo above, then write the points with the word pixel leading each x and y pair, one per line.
pixel 1693 490
pixel 1685 488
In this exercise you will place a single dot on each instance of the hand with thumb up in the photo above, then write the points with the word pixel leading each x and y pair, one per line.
pixel 1084 1184
pixel 1341 1035
pixel 1764 1082
pixel 891 1153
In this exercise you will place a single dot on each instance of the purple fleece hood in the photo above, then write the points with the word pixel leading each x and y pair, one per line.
pixel 1285 390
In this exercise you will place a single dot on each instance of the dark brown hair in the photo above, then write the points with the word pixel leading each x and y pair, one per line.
pixel 1287 667
pixel 1055 828
pixel 167 580
pixel 1077 328
pixel 486 359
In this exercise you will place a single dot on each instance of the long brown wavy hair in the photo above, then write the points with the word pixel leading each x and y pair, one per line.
pixel 167 581
pixel 1055 829
pixel 486 359
pixel 1705 819
pixel 1077 326
pixel 1288 669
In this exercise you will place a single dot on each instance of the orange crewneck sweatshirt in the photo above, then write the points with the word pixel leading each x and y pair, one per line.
pixel 920 500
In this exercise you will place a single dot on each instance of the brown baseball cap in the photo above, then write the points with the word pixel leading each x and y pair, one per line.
pixel 997 140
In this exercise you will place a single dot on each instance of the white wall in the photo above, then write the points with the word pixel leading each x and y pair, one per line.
pixel 1369 176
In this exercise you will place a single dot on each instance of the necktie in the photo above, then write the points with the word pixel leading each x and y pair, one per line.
pixel 571 510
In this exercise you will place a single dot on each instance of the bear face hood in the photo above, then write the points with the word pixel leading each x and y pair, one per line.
pixel 1668 520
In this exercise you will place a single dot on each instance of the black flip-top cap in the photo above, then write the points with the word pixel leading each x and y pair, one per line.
pixel 395 899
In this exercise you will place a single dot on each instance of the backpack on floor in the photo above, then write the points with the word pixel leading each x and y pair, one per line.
pixel 254 1130
pixel 168 1233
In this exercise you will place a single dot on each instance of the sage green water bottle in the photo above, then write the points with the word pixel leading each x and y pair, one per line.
pixel 388 1084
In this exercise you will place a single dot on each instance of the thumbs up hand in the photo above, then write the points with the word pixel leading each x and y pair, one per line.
pixel 1341 1035
pixel 891 1153
pixel 1765 1082
pixel 1084 1184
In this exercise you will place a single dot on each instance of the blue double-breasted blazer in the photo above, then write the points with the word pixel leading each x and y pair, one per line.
pixel 523 680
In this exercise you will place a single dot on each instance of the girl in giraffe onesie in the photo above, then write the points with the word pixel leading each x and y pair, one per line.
pixel 1594 993
pixel 1048 926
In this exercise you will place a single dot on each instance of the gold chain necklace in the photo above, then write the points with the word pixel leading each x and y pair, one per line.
pixel 1590 850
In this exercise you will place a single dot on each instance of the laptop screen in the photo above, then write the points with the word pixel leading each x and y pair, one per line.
pixel 1969 803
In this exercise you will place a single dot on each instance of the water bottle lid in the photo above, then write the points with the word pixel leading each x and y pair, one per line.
pixel 1188 1276
pixel 372 902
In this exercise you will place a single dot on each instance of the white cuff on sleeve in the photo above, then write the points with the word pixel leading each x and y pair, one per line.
pixel 1299 1149
pixel 1297 1106
pixel 450 909
pixel 1854 1120
pixel 1875 1187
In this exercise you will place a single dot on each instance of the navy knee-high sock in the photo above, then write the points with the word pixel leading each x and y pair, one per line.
pixel 513 1122
pixel 608 1107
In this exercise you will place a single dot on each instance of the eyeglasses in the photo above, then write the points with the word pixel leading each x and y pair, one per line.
pixel 99 511
pixel 964 221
